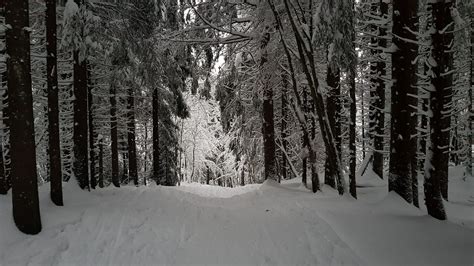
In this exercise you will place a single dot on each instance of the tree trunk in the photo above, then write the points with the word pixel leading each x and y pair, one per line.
pixel 352 113
pixel 441 98
pixel 81 162
pixel 436 166
pixel 101 162
pixel 5 179
pixel 402 144
pixel 90 100
pixel 268 128
pixel 284 118
pixel 304 174
pixel 54 148
pixel 156 136
pixel 132 147
pixel 26 212
pixel 113 135
pixel 333 108
pixel 379 96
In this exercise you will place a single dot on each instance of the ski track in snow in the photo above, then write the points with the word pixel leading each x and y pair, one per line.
pixel 195 224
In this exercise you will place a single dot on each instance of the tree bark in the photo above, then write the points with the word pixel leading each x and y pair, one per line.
pixel 101 162
pixel 90 100
pixel 156 138
pixel 333 108
pixel 436 166
pixel 113 135
pixel 132 147
pixel 379 96
pixel 54 148
pixel 268 128
pixel 402 144
pixel 81 162
pixel 26 212
pixel 5 178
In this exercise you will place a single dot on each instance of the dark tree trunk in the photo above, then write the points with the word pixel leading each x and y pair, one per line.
pixel 81 160
pixel 402 143
pixel 101 162
pixel 304 174
pixel 132 147
pixel 352 112
pixel 54 148
pixel 284 118
pixel 333 108
pixel 379 97
pixel 5 178
pixel 441 98
pixel 90 100
pixel 114 135
pixel 156 137
pixel 438 145
pixel 268 128
pixel 26 212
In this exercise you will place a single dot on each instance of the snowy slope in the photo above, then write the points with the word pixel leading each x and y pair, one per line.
pixel 267 224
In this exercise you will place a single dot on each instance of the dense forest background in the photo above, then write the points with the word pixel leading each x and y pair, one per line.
pixel 231 93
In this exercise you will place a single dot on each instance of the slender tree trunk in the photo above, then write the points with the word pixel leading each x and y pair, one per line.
pixel 26 212
pixel 352 112
pixel 101 162
pixel 470 160
pixel 54 148
pixel 268 129
pixel 113 135
pixel 402 144
pixel 90 100
pixel 333 108
pixel 284 118
pixel 304 175
pixel 5 179
pixel 132 147
pixel 81 161
pixel 379 96
pixel 156 140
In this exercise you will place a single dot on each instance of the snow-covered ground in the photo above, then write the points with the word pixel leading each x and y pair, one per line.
pixel 269 224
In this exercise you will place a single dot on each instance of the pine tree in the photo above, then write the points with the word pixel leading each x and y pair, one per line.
pixel 80 163
pixel 54 148
pixel 402 143
pixel 114 134
pixel 132 147
pixel 26 212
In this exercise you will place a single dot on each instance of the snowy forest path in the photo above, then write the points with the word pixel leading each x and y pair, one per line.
pixel 254 225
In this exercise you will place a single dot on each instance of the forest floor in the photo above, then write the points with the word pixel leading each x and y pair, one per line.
pixel 269 224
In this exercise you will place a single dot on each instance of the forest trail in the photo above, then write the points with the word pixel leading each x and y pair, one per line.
pixel 194 224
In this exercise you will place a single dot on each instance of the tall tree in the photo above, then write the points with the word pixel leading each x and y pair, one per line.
pixel 378 93
pixel 114 134
pixel 80 163
pixel 268 117
pixel 333 108
pixel 436 165
pixel 54 148
pixel 402 143
pixel 26 212
pixel 90 103
pixel 132 147
pixel 5 178
pixel 156 137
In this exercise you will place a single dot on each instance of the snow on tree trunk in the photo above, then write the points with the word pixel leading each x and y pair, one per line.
pixel 333 108
pixel 402 143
